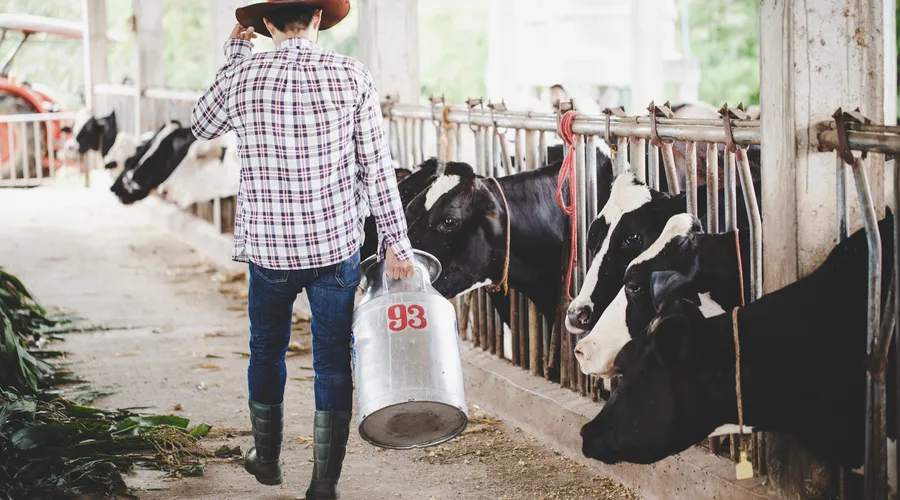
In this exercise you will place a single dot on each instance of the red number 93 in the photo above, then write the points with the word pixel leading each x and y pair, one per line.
pixel 401 317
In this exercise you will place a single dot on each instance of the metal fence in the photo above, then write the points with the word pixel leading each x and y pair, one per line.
pixel 137 113
pixel 30 146
pixel 851 132
pixel 542 345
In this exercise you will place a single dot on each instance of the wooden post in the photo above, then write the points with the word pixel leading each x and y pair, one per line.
pixel 96 61
pixel 647 78
pixel 812 61
pixel 389 46
pixel 148 15
pixel 221 22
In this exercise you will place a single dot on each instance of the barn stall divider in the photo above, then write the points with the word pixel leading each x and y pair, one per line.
pixel 29 152
pixel 499 142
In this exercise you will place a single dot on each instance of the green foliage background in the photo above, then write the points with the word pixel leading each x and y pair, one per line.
pixel 452 39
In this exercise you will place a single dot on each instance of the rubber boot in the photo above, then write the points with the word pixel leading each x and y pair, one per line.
pixel 263 460
pixel 332 428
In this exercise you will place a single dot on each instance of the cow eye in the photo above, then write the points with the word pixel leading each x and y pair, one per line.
pixel 633 288
pixel 631 241
pixel 449 223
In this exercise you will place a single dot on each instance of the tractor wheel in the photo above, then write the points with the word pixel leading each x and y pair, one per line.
pixel 17 141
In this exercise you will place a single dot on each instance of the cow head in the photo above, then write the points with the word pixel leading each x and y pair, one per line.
pixel 666 399
pixel 629 223
pixel 669 266
pixel 153 163
pixel 91 134
pixel 461 220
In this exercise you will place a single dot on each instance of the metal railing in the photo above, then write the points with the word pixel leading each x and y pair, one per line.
pixel 137 113
pixel 30 146
pixel 478 133
pixel 847 133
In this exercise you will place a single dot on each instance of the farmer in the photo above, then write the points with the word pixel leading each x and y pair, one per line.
pixel 314 164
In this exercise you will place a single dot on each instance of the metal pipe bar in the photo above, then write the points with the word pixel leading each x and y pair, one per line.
pixel 479 150
pixel 730 193
pixel 534 340
pixel 753 213
pixel 712 188
pixel 520 150
pixel 38 167
pixel 591 180
pixel 653 167
pixel 671 169
pixel 542 148
pixel 843 207
pixel 581 195
pixel 487 167
pixel 744 131
pixel 459 142
pixel 876 452
pixel 421 142
pixel 638 148
pixel 873 142
pixel 621 156
pixel 690 178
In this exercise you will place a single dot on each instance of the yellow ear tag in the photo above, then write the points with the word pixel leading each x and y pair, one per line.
pixel 743 469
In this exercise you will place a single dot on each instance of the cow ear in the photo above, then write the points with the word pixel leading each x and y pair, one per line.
pixel 490 205
pixel 659 195
pixel 594 232
pixel 666 285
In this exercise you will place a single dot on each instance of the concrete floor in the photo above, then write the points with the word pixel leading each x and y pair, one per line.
pixel 173 343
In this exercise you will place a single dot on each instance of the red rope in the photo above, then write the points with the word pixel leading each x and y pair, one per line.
pixel 567 173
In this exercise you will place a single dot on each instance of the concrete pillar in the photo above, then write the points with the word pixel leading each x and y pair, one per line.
pixel 96 66
pixel 890 62
pixel 647 79
pixel 221 22
pixel 812 61
pixel 389 46
pixel 148 17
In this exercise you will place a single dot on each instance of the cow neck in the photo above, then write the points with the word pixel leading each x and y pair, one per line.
pixel 503 284
pixel 536 227
pixel 721 273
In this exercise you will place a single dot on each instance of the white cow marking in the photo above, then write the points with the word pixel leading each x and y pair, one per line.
pixel 597 352
pixel 165 132
pixel 678 225
pixel 625 197
pixel 442 185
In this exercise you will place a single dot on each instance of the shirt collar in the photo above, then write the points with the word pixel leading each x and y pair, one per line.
pixel 297 43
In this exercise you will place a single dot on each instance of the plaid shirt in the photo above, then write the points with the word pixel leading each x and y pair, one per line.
pixel 314 159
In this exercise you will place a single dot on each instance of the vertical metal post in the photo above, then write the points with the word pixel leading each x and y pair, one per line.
pixel 534 340
pixel 653 166
pixel 421 142
pixel 514 313
pixel 591 177
pixel 876 452
pixel 487 165
pixel 671 169
pixel 542 147
pixel 580 191
pixel 404 143
pixel 459 142
pixel 753 213
pixel 730 193
pixel 639 158
pixel 712 188
pixel 495 153
pixel 621 165
pixel 38 163
pixel 520 150
pixel 843 207
pixel 690 178
pixel 479 150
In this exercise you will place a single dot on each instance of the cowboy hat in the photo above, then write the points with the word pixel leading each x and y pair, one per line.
pixel 333 12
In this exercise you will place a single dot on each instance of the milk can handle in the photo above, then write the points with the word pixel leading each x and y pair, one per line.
pixel 417 273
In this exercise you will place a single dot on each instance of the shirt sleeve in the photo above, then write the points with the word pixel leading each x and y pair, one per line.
pixel 209 118
pixel 374 160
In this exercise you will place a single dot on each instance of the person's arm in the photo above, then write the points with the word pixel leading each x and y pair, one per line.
pixel 209 118
pixel 374 159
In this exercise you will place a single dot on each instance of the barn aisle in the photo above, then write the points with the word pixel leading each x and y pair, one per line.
pixel 171 333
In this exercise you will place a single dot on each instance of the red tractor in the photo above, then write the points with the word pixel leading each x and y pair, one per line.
pixel 19 142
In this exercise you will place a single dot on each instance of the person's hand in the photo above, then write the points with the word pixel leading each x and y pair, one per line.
pixel 396 268
pixel 241 33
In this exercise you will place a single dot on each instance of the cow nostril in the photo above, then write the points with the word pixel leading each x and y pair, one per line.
pixel 579 354
pixel 584 316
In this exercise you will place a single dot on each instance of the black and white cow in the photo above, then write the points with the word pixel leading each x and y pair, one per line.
pixel 153 163
pixel 102 135
pixel 677 382
pixel 630 222
pixel 409 184
pixel 461 219
pixel 705 265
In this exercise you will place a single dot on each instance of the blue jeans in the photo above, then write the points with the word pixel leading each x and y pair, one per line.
pixel 331 291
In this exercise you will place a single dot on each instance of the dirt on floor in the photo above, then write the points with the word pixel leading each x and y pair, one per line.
pixel 166 332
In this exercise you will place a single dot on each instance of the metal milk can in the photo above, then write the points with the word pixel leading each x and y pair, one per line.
pixel 407 370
